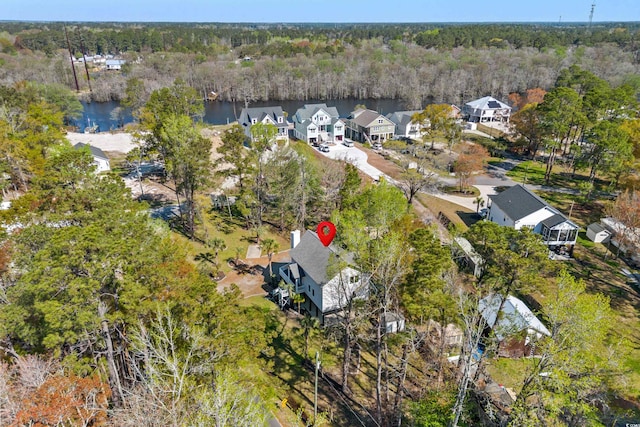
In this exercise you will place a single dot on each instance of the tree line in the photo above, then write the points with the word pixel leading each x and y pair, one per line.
pixel 328 67
pixel 586 123
pixel 282 40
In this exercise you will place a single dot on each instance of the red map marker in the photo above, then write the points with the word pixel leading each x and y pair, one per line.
pixel 326 232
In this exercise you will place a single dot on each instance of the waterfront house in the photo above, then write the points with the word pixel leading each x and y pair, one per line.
pixel 267 115
pixel 325 276
pixel 405 126
pixel 369 126
pixel 486 109
pixel 519 207
pixel 318 124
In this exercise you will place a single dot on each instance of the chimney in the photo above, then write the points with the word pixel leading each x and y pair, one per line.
pixel 295 238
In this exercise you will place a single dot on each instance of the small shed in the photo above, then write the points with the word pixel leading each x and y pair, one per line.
pixel 597 233
pixel 394 323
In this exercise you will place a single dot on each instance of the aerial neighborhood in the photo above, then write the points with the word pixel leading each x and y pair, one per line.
pixel 319 225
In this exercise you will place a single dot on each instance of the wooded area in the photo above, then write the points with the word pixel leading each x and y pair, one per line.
pixel 416 63
pixel 109 317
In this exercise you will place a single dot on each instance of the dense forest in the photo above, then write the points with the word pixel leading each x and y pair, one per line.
pixel 110 316
pixel 417 63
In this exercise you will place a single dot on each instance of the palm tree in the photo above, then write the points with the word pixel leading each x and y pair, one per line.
pixel 308 324
pixel 217 244
pixel 479 202
pixel 270 246
pixel 298 299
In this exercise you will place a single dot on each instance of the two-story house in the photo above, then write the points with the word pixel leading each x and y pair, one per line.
pixel 369 126
pixel 405 126
pixel 267 115
pixel 317 123
pixel 324 275
pixel 518 207
pixel 486 109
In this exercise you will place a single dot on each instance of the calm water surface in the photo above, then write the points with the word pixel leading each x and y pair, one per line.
pixel 218 113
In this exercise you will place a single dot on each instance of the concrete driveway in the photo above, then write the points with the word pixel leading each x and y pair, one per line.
pixel 486 183
pixel 356 157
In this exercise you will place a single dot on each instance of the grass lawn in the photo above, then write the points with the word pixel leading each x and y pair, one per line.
pixel 509 372
pixel 218 224
pixel 532 172
pixel 606 277
pixel 462 217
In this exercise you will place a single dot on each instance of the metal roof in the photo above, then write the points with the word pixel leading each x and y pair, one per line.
pixel 514 317
pixel 487 103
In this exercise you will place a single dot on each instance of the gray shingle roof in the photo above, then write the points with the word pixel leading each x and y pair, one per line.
pixel 402 118
pixel 95 151
pixel 596 227
pixel 518 202
pixel 309 110
pixel 365 118
pixel 259 113
pixel 313 257
pixel 554 220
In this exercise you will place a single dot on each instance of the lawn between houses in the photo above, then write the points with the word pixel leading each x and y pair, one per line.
pixel 602 273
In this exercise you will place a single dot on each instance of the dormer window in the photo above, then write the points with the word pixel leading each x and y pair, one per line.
pixel 254 121
pixel 280 119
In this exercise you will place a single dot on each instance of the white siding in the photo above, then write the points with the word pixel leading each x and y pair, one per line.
pixel 499 217
pixel 102 165
pixel 336 295
pixel 534 220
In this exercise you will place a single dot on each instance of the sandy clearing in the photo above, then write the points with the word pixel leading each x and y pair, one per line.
pixel 121 142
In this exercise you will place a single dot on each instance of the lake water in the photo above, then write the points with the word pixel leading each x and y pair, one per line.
pixel 218 113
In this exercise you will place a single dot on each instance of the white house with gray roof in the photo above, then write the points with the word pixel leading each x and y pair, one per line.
pixel 405 126
pixel 519 207
pixel 100 160
pixel 314 272
pixel 487 109
pixel 267 115
pixel 317 123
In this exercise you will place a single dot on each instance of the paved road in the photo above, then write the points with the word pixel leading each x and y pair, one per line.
pixel 486 184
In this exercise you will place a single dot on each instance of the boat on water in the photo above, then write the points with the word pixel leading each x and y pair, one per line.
pixel 91 128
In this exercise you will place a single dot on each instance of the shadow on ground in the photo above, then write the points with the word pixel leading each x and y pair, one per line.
pixel 469 218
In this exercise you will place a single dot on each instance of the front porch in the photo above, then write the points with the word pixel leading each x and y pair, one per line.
pixel 290 274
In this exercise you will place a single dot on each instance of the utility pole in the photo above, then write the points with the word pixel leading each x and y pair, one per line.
pixel 315 395
pixel 73 67
pixel 84 59
pixel 593 6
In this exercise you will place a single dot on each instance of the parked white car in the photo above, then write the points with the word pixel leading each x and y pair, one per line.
pixel 347 143
pixel 324 148
pixel 377 146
